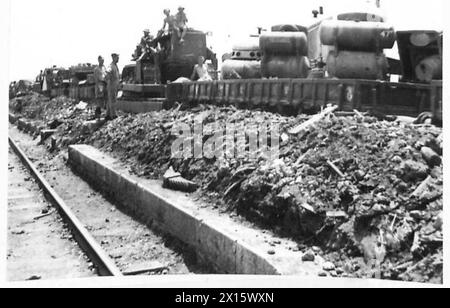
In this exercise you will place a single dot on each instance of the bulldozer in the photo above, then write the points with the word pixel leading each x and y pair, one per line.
pixel 148 76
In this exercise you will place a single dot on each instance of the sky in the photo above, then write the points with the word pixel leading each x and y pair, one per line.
pixel 63 33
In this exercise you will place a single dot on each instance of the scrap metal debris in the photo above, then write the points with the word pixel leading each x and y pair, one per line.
pixel 174 180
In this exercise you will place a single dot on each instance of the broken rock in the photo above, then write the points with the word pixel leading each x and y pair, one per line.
pixel 431 157
pixel 323 274
pixel 328 266
pixel 438 222
pixel 413 171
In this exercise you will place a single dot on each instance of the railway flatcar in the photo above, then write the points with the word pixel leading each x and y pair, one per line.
pixel 300 69
pixel 82 84
pixel 347 66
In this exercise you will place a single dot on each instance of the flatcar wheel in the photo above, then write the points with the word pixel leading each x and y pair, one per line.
pixel 280 109
pixel 424 118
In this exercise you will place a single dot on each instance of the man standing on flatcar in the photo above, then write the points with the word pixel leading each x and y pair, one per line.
pixel 112 81
pixel 169 22
pixel 100 86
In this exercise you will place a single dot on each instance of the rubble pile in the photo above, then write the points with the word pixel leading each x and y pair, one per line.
pixel 41 108
pixel 369 188
pixel 70 117
pixel 28 105
pixel 366 193
pixel 147 138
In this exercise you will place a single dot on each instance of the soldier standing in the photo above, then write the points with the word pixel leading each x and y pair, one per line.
pixel 113 81
pixel 100 86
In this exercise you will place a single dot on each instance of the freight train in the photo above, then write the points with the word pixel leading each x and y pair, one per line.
pixel 338 61
pixel 76 82
pixel 294 69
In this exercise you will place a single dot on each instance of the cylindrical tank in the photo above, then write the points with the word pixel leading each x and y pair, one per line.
pixel 361 16
pixel 246 54
pixel 284 43
pixel 289 28
pixel 282 66
pixel 357 36
pixel 247 50
pixel 241 69
pixel 429 69
pixel 250 43
pixel 357 65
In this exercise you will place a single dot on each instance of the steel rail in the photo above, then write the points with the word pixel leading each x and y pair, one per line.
pixel 105 266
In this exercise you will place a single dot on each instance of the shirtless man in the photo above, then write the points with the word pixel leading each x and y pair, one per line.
pixel 181 24
pixel 201 71
pixel 169 22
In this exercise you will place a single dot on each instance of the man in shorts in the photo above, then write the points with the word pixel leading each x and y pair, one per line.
pixel 181 24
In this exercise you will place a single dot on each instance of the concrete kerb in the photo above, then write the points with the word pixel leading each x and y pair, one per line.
pixel 224 247
pixel 226 253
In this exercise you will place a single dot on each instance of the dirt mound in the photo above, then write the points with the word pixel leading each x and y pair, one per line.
pixel 24 103
pixel 367 193
pixel 70 117
pixel 346 184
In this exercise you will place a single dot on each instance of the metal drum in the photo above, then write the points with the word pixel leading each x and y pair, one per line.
pixel 241 69
pixel 357 65
pixel 289 28
pixel 357 36
pixel 285 67
pixel 290 43
pixel 429 69
pixel 361 16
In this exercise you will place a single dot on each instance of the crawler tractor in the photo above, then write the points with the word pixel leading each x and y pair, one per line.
pixel 173 61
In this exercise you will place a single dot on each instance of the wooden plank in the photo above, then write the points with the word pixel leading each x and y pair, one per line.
pixel 46 133
pixel 337 214
pixel 315 119
pixel 359 114
pixel 145 268
pixel 336 169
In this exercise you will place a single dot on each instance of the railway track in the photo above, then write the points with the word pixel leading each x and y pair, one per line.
pixel 133 246
pixel 103 264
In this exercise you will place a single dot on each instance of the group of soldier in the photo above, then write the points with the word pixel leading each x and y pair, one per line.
pixel 107 81
pixel 175 24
